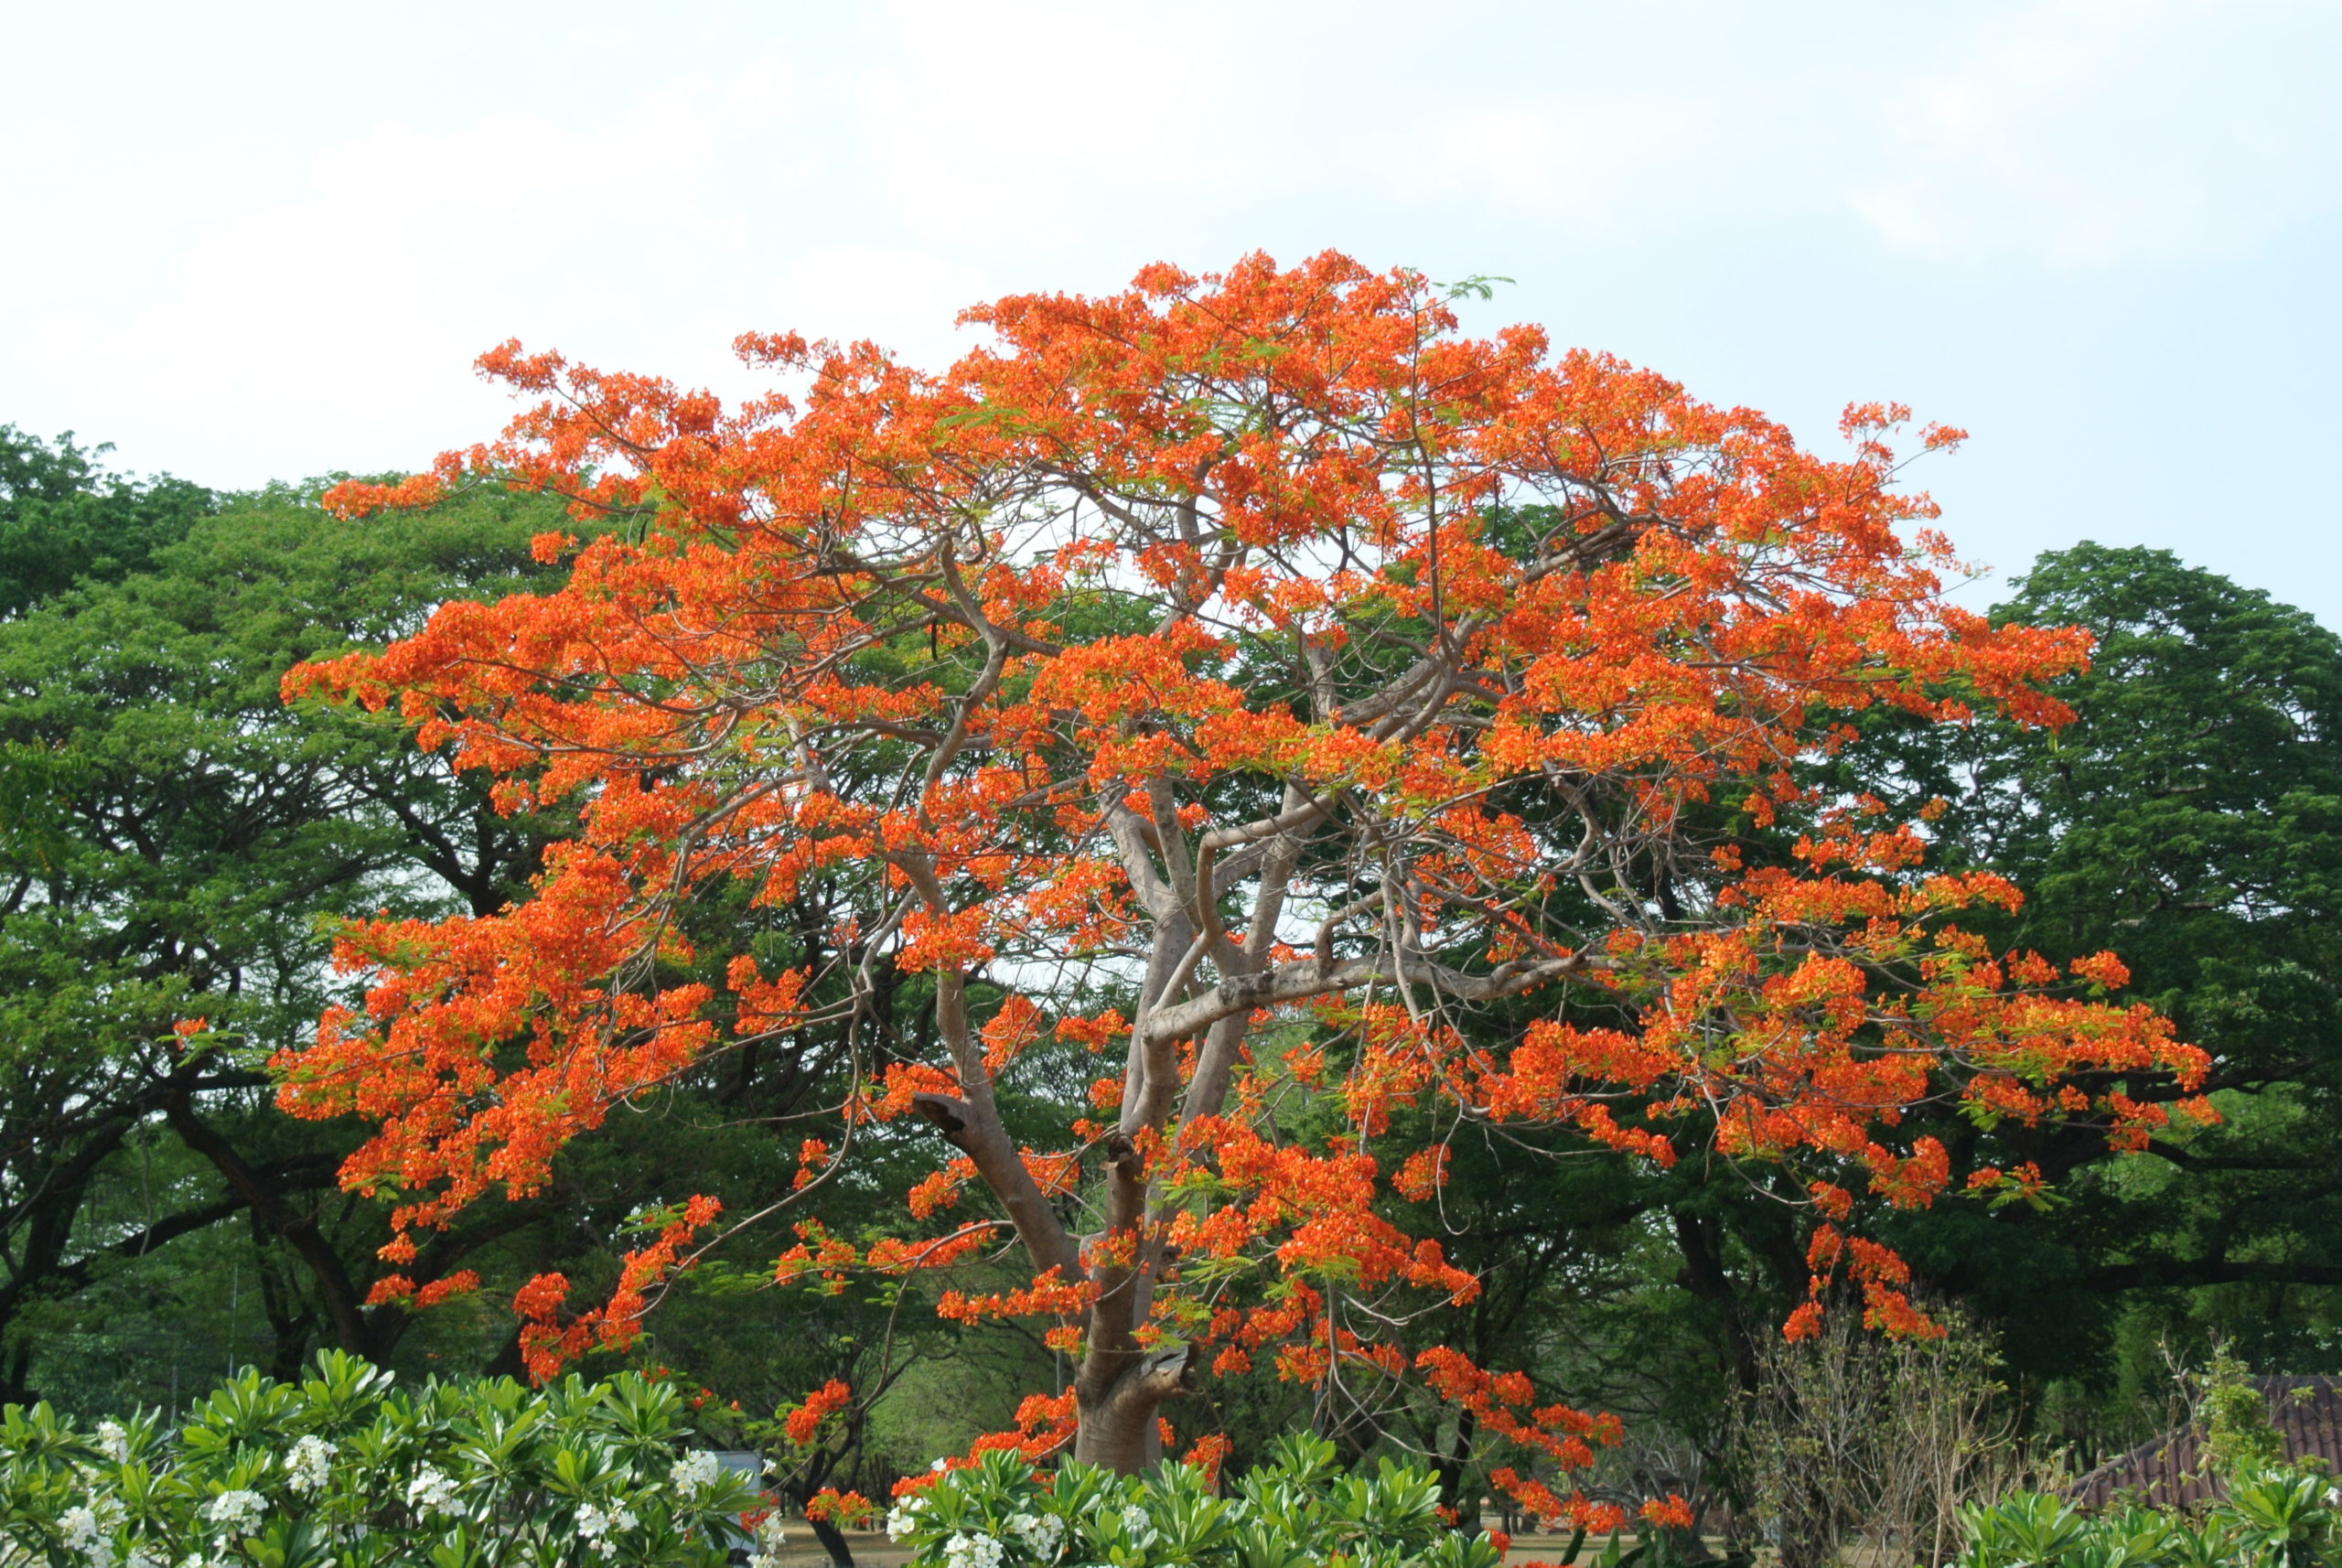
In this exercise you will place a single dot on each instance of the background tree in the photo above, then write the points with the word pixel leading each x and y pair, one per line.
pixel 1166 642
pixel 171 838
pixel 65 519
pixel 177 844
pixel 2189 819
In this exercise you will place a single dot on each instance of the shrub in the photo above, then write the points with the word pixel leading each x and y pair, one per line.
pixel 1853 1439
pixel 345 1468
pixel 1295 1512
pixel 2278 1518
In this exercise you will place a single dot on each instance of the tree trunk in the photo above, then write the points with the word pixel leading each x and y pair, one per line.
pixel 832 1542
pixel 1700 1239
pixel 1118 1405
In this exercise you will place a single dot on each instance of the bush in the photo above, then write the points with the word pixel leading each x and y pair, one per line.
pixel 1855 1439
pixel 2279 1517
pixel 1296 1513
pixel 346 1469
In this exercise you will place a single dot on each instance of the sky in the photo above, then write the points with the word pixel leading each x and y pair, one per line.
pixel 261 241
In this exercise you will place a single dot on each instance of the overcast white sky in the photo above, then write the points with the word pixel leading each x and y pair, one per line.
pixel 256 241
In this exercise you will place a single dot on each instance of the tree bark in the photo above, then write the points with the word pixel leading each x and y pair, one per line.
pixel 1119 1397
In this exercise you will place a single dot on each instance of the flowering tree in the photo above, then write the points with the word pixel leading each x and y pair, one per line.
pixel 1325 690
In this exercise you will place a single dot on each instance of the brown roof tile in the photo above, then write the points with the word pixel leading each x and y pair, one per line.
pixel 2163 1473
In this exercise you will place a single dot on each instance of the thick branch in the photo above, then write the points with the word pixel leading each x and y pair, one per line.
pixel 303 1172
pixel 339 1292
pixel 1129 832
pixel 986 1145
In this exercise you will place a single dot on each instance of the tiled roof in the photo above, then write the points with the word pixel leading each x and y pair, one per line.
pixel 2164 1472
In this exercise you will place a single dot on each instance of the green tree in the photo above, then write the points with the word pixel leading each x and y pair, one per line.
pixel 65 519
pixel 177 844
pixel 2189 819
pixel 173 845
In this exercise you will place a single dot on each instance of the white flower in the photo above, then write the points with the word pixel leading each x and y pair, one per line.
pixel 903 1518
pixel 593 1523
pixel 140 1560
pixel 237 1512
pixel 770 1540
pixel 694 1472
pixel 113 1441
pixel 595 1526
pixel 308 1463
pixel 1045 1535
pixel 936 1465
pixel 964 1550
pixel 431 1492
pixel 80 1526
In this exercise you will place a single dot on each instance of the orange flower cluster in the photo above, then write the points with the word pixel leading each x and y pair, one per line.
pixel 804 1423
pixel 847 1511
pixel 1541 1503
pixel 1502 1401
pixel 547 1344
pixel 1335 683
pixel 1045 1424
pixel 400 1288
pixel 1049 1297
pixel 819 1257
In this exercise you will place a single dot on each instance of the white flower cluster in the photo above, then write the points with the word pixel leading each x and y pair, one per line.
pixel 769 1539
pixel 1044 1534
pixel 235 1512
pixel 694 1472
pixel 1135 1526
pixel 79 1528
pixel 431 1492
pixel 113 1441
pixel 903 1518
pixel 90 1529
pixel 594 1526
pixel 306 1467
pixel 965 1550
